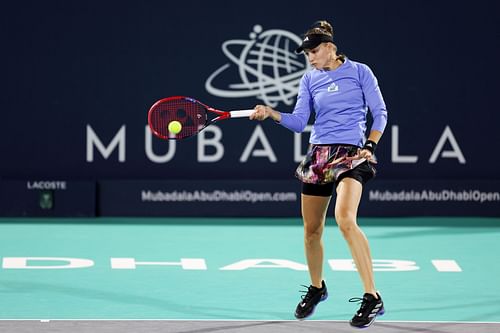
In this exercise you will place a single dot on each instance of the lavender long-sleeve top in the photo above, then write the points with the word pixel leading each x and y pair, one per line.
pixel 340 100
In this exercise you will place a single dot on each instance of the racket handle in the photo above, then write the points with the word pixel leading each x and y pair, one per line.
pixel 241 113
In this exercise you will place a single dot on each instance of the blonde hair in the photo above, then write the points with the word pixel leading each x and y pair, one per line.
pixel 323 27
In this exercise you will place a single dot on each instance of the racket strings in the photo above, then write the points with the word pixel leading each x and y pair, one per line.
pixel 190 114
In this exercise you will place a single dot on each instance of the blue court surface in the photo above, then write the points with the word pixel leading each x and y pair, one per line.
pixel 427 269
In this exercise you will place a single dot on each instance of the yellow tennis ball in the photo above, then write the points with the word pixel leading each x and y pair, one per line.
pixel 174 127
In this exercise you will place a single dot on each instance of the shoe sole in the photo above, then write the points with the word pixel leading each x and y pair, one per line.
pixel 323 298
pixel 380 313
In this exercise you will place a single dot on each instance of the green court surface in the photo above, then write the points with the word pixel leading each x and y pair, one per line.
pixel 427 269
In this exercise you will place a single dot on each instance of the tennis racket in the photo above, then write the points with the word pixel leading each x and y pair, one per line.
pixel 192 115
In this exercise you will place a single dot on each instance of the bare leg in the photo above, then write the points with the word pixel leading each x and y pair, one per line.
pixel 348 197
pixel 314 213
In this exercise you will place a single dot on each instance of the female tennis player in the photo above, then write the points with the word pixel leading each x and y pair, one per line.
pixel 340 92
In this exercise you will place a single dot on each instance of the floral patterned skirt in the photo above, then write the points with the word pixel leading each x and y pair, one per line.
pixel 324 164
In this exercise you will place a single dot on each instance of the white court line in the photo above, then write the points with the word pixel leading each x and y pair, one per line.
pixel 446 265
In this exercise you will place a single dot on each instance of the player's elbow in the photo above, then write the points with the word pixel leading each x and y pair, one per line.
pixel 380 120
pixel 301 126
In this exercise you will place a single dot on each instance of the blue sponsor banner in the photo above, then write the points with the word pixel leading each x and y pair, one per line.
pixel 47 198
pixel 238 198
pixel 431 198
pixel 199 198
pixel 282 198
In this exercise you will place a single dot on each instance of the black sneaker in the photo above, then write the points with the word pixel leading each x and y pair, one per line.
pixel 369 310
pixel 313 296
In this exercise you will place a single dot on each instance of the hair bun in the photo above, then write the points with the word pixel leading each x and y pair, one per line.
pixel 323 25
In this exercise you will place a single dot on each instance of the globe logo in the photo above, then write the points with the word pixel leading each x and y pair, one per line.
pixel 265 67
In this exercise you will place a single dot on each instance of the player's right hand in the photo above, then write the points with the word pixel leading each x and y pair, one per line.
pixel 261 112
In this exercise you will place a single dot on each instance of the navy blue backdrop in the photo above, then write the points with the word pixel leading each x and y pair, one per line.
pixel 79 76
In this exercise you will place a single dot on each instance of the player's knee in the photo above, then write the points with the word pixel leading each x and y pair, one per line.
pixel 346 223
pixel 312 234
pixel 346 229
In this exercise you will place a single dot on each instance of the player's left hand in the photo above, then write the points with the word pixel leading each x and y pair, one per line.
pixel 364 153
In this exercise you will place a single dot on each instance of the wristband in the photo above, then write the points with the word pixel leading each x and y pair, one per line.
pixel 370 145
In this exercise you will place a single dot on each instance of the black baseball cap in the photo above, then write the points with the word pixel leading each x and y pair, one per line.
pixel 313 40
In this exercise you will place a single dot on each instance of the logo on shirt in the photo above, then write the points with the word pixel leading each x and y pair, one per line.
pixel 333 87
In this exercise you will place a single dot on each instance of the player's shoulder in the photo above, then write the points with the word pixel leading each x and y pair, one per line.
pixel 363 71
pixel 309 75
pixel 357 65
